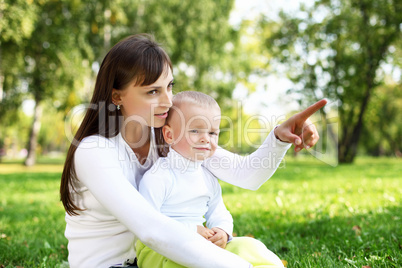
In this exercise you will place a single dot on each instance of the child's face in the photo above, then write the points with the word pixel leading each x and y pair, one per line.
pixel 195 131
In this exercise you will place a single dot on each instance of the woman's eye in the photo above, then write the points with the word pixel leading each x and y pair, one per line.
pixel 171 84
pixel 152 92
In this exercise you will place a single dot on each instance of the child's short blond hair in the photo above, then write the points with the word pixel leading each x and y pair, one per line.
pixel 196 98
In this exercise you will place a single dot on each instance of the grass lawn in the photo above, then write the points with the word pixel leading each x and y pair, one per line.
pixel 310 214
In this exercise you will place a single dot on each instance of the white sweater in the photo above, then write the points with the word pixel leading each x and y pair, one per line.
pixel 116 213
pixel 185 191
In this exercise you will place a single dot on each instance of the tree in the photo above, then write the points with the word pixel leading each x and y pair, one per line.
pixel 66 37
pixel 195 34
pixel 335 49
pixel 16 20
pixel 53 57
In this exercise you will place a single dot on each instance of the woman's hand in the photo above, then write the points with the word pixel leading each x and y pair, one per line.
pixel 220 237
pixel 205 232
pixel 299 130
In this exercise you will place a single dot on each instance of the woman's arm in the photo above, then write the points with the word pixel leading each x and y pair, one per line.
pixel 99 170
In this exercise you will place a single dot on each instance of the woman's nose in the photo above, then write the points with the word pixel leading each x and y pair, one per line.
pixel 166 99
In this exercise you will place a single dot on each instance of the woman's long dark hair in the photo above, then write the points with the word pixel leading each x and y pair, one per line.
pixel 136 58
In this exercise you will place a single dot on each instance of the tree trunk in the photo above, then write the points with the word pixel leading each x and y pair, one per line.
pixel 33 135
pixel 347 148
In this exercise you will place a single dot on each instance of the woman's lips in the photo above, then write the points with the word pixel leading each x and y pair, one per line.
pixel 202 148
pixel 163 116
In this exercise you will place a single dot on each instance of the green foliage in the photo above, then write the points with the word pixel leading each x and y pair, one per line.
pixel 16 24
pixel 382 133
pixel 335 50
pixel 14 128
pixel 50 59
pixel 194 34
pixel 54 53
pixel 240 132
pixel 52 135
pixel 45 56
pixel 310 214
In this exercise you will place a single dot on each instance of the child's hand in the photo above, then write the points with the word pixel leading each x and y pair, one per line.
pixel 220 237
pixel 298 129
pixel 205 232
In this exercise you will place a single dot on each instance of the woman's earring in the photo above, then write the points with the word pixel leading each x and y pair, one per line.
pixel 118 106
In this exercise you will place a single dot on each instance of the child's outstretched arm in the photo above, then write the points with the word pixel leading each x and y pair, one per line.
pixel 251 171
pixel 299 130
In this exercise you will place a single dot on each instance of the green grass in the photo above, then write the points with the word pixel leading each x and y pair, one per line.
pixel 315 215
pixel 310 214
pixel 31 217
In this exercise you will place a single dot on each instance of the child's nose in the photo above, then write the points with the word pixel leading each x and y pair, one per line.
pixel 204 137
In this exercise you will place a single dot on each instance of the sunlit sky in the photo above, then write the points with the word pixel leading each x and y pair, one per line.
pixel 251 8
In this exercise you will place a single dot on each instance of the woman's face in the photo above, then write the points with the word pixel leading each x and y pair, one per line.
pixel 147 105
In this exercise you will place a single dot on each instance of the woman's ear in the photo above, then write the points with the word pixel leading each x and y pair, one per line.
pixel 116 96
pixel 167 134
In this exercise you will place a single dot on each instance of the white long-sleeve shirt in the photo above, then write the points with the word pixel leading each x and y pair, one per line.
pixel 115 213
pixel 185 191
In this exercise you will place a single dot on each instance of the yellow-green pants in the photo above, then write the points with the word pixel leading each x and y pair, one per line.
pixel 250 249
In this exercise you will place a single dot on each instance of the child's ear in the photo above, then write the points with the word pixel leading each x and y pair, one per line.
pixel 167 134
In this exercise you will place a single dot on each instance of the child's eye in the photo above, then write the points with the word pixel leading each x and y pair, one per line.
pixel 193 131
pixel 213 133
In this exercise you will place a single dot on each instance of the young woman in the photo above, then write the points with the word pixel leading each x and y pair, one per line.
pixel 120 138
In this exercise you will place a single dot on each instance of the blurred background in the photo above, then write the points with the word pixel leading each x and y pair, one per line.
pixel 262 60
